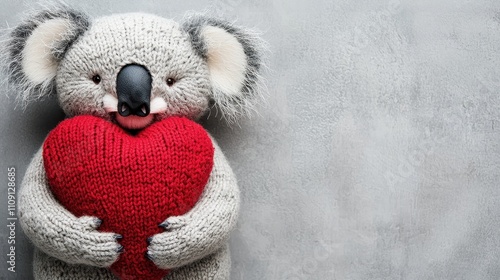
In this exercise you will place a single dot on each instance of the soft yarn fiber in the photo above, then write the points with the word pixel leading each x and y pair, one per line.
pixel 95 168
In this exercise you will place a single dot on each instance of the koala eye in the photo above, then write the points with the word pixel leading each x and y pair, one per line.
pixel 170 82
pixel 96 79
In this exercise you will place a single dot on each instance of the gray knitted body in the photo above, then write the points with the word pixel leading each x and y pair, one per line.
pixel 71 248
pixel 210 61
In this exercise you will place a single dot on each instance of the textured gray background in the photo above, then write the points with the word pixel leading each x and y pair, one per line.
pixel 377 155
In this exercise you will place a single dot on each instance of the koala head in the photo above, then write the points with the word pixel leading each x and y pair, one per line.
pixel 135 69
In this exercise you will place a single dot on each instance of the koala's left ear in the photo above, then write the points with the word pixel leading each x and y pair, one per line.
pixel 234 58
pixel 38 44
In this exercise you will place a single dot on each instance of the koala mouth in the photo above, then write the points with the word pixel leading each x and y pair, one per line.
pixel 134 122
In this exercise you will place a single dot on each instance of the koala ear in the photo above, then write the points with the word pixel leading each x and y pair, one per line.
pixel 234 58
pixel 36 47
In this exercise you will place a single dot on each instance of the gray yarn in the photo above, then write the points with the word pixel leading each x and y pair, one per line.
pixel 80 56
pixel 117 40
pixel 27 90
pixel 195 245
pixel 253 47
pixel 213 267
pixel 56 231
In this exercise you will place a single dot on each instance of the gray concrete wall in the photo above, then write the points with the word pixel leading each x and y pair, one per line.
pixel 377 156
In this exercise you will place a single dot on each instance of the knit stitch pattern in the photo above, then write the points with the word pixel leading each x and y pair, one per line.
pixel 63 49
pixel 151 41
pixel 132 182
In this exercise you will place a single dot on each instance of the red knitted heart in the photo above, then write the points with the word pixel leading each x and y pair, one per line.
pixel 132 183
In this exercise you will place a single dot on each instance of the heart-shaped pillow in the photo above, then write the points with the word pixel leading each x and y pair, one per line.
pixel 131 182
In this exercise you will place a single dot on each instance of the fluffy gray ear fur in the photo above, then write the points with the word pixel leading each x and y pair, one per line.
pixel 234 58
pixel 37 45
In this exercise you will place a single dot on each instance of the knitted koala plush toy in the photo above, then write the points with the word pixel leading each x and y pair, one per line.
pixel 129 186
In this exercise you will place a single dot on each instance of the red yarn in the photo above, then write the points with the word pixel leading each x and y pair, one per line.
pixel 132 183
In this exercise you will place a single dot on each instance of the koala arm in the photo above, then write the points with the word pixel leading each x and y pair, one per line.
pixel 206 227
pixel 55 230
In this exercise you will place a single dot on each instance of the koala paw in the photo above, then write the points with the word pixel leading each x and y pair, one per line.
pixel 174 223
pixel 168 249
pixel 100 249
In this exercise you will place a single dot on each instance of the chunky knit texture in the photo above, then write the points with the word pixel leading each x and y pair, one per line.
pixel 159 44
pixel 69 48
pixel 97 169
pixel 70 248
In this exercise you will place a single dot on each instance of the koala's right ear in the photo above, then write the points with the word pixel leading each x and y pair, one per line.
pixel 36 47
pixel 234 56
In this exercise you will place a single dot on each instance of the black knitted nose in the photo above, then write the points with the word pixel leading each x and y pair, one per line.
pixel 133 87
